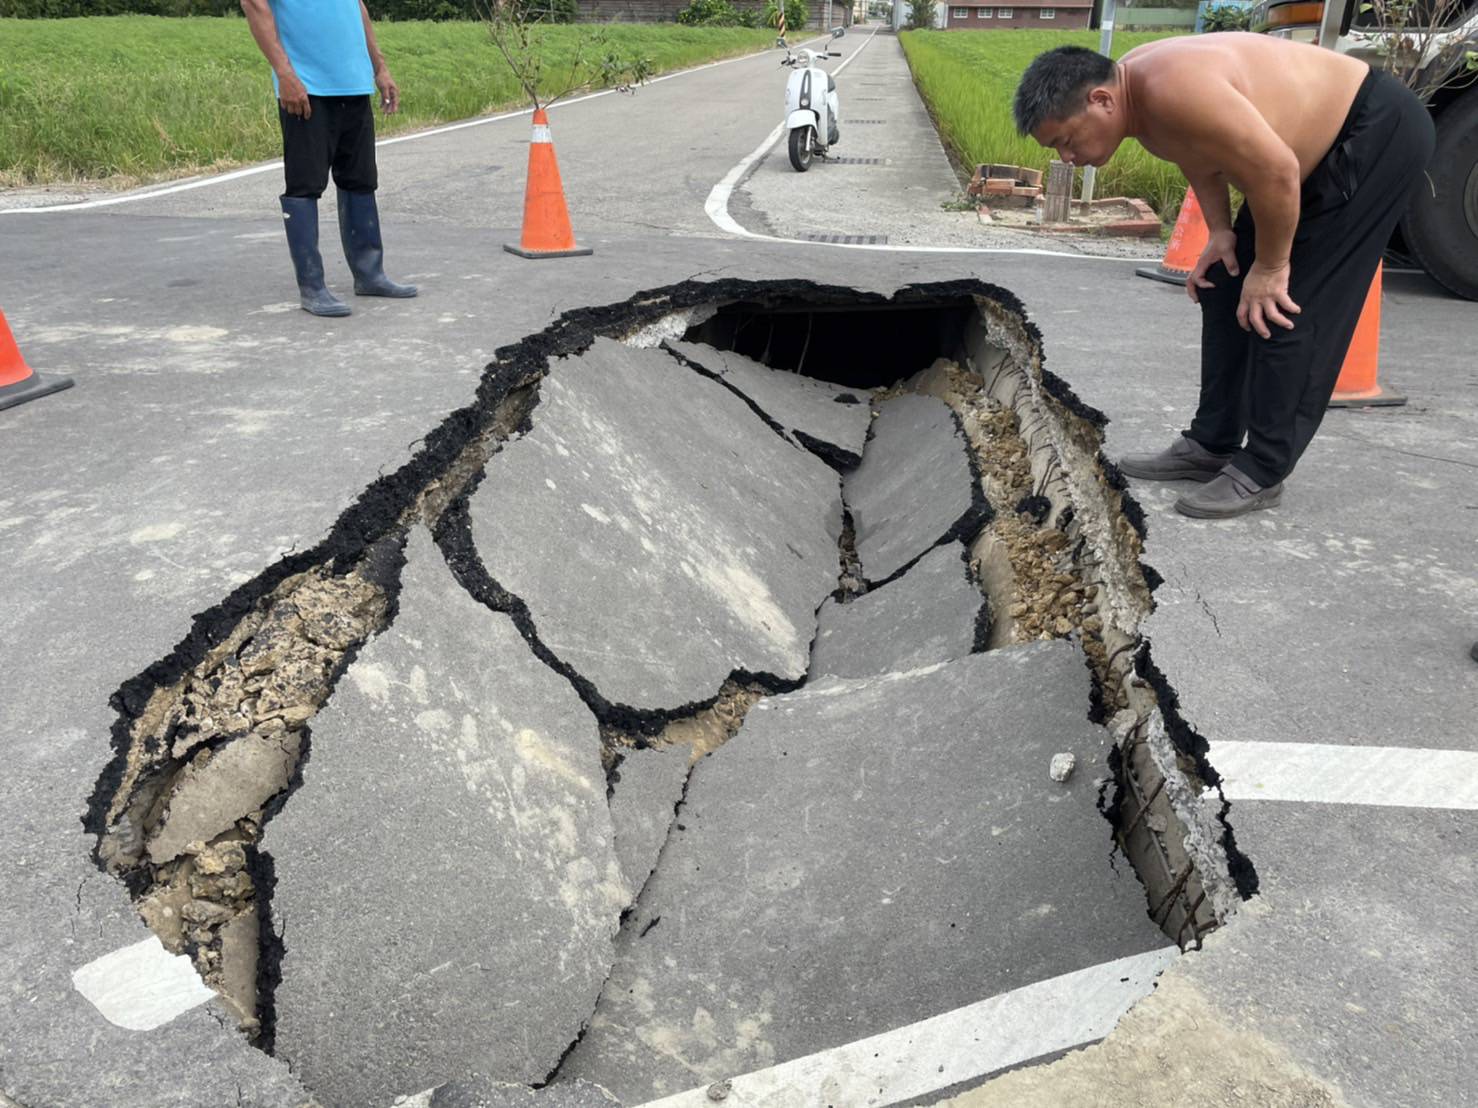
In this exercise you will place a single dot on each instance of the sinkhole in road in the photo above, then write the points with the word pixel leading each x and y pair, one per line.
pixel 870 402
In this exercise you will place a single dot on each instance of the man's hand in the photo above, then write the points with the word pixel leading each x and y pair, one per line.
pixel 1265 299
pixel 293 96
pixel 1220 247
pixel 389 91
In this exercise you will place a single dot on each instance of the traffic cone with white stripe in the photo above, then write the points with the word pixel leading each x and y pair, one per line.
pixel 18 381
pixel 546 220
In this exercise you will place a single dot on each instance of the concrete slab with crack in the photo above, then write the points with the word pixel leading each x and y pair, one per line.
pixel 828 418
pixel 238 429
pixel 649 507
pixel 447 886
pixel 933 613
pixel 914 488
pixel 872 852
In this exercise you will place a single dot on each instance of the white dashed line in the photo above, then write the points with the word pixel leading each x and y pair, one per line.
pixel 1322 773
pixel 964 1045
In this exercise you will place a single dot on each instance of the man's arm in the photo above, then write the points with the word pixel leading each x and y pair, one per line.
pixel 389 91
pixel 1226 136
pixel 290 91
pixel 1221 243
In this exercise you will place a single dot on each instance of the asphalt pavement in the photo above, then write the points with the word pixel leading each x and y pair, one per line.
pixel 215 429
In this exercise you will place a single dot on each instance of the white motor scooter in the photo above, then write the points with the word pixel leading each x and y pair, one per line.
pixel 812 108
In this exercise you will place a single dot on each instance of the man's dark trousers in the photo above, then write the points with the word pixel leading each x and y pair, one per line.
pixel 1275 390
pixel 338 136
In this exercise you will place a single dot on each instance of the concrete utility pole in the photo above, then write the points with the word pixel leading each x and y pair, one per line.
pixel 1105 44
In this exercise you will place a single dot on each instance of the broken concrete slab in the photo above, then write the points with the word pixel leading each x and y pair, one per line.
pixel 915 487
pixel 661 535
pixel 446 883
pixel 863 855
pixel 479 1092
pixel 828 419
pixel 933 613
pixel 648 785
pixel 216 790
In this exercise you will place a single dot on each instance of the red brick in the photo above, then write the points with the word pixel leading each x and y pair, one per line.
pixel 1026 190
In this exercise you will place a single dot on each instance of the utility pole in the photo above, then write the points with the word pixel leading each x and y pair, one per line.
pixel 1105 44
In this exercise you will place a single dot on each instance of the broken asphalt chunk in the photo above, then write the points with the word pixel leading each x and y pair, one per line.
pixel 643 804
pixel 914 488
pixel 814 411
pixel 863 855
pixel 661 535
pixel 932 613
pixel 446 882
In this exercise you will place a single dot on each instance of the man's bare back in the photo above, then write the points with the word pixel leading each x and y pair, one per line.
pixel 1301 94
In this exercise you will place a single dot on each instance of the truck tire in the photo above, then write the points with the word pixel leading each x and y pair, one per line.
pixel 1441 230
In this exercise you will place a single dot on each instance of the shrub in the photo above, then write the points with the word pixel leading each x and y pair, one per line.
pixel 711 13
pixel 1227 17
pixel 796 14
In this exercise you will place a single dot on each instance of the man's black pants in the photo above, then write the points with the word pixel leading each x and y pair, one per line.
pixel 339 135
pixel 1275 390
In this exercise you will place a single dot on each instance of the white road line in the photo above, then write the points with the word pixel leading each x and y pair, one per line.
pixel 717 208
pixel 141 987
pixel 1053 1015
pixel 1322 773
pixel 267 167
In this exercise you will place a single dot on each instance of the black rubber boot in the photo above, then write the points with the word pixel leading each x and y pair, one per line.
pixel 359 228
pixel 300 220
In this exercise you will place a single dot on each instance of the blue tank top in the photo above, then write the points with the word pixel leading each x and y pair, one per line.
pixel 324 40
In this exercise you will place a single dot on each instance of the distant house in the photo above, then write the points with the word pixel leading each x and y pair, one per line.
pixel 824 13
pixel 991 15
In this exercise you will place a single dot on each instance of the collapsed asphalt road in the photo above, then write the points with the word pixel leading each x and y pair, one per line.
pixel 216 431
pixel 501 793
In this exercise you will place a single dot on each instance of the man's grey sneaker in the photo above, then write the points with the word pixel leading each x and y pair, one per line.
pixel 1230 493
pixel 1185 460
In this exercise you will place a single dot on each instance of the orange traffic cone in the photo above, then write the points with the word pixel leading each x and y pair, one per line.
pixel 1187 241
pixel 18 382
pixel 546 220
pixel 1357 386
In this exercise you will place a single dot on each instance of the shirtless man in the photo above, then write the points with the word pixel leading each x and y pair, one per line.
pixel 1326 152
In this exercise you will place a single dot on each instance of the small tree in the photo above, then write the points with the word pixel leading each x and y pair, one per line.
pixel 1414 40
pixel 520 29
pixel 921 14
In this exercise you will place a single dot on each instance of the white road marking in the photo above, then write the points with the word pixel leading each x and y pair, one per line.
pixel 1323 773
pixel 267 167
pixel 141 987
pixel 1057 1014
pixel 717 209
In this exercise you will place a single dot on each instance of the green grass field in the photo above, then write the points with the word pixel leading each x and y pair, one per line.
pixel 143 97
pixel 968 80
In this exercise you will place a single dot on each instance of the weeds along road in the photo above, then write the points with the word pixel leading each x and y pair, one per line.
pixel 643 162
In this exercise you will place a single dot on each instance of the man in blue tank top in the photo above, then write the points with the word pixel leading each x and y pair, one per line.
pixel 325 66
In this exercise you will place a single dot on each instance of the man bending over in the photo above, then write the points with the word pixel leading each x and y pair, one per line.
pixel 1326 152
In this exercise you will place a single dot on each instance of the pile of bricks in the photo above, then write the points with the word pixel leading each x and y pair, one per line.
pixel 1011 186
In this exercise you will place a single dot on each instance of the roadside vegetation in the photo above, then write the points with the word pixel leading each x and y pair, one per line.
pixel 136 98
pixel 968 80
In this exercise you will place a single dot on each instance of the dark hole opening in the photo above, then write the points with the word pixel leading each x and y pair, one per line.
pixel 863 346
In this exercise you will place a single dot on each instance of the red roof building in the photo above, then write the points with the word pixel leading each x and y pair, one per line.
pixel 992 15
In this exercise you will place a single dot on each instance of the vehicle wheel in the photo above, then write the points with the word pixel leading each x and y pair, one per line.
pixel 800 148
pixel 1441 231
